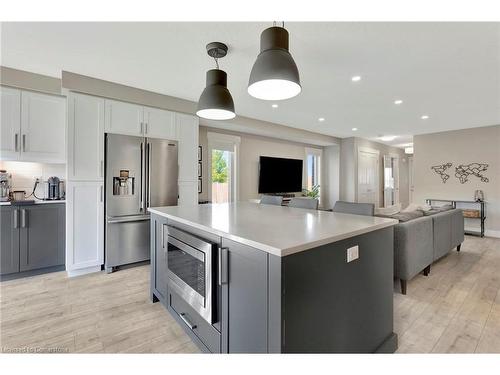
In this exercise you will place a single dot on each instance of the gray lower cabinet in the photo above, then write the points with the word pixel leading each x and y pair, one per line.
pixel 9 241
pixel 42 236
pixel 158 259
pixel 33 237
pixel 245 299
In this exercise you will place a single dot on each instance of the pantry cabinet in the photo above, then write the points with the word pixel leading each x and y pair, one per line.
pixel 33 126
pixel 84 224
pixel 85 138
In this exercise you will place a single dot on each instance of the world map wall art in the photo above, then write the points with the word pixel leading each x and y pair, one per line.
pixel 462 172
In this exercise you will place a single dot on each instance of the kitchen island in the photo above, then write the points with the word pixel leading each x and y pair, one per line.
pixel 251 278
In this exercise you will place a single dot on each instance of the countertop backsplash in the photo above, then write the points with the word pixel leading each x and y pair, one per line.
pixel 24 175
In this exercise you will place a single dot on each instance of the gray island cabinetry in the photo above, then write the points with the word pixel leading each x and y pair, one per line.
pixel 249 278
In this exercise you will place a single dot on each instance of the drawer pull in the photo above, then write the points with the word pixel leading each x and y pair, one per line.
pixel 186 320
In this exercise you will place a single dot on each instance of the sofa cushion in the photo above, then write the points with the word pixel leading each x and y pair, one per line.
pixel 391 210
pixel 438 209
pixel 404 216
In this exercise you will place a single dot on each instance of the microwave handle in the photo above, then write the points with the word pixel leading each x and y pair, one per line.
pixel 223 265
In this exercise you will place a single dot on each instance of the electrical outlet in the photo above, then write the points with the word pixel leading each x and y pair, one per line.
pixel 352 253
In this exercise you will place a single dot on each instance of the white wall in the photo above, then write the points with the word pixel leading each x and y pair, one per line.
pixel 254 146
pixel 24 175
pixel 480 145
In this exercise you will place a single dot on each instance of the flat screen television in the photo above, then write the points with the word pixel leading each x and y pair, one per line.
pixel 279 175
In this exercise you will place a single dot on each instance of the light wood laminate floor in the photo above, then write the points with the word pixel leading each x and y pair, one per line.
pixel 455 309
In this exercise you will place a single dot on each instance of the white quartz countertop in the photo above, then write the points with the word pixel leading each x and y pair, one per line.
pixel 275 229
pixel 37 201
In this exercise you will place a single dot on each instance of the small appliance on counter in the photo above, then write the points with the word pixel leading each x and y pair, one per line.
pixel 5 185
pixel 19 195
pixel 54 189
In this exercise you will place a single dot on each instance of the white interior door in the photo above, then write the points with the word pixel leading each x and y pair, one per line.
pixel 368 176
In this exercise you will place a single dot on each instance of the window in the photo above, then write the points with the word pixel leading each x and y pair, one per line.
pixel 313 170
pixel 223 150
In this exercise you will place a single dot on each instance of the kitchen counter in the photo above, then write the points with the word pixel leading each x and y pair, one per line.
pixel 283 279
pixel 37 201
pixel 277 230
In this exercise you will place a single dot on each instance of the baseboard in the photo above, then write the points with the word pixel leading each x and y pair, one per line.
pixel 40 271
pixel 487 232
pixel 83 271
pixel 492 233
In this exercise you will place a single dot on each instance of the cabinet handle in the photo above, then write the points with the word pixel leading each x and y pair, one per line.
pixel 142 127
pixel 146 125
pixel 162 236
pixel 16 136
pixel 16 218
pixel 102 190
pixel 102 168
pixel 23 218
pixel 223 257
pixel 24 142
pixel 186 320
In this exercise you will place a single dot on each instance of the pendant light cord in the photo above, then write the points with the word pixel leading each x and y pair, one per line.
pixel 216 62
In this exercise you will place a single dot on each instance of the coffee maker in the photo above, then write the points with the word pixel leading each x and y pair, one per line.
pixel 5 185
pixel 55 188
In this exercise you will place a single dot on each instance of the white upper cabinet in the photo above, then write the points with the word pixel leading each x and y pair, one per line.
pixel 10 123
pixel 43 128
pixel 124 118
pixel 132 119
pixel 187 130
pixel 159 123
pixel 85 138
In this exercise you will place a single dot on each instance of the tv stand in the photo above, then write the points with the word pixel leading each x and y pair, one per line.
pixel 284 195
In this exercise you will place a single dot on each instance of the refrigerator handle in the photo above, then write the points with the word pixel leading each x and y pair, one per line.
pixel 148 153
pixel 141 206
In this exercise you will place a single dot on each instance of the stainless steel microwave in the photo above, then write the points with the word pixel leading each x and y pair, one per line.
pixel 191 264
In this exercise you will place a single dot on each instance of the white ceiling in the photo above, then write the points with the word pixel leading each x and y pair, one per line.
pixel 449 71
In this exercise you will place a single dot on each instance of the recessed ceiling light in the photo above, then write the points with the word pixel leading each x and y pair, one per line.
pixel 399 101
pixel 354 129
pixel 321 119
pixel 274 106
pixel 409 150
pixel 356 78
pixel 424 117
pixel 388 138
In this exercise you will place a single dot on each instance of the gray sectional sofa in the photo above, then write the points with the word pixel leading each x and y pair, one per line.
pixel 422 238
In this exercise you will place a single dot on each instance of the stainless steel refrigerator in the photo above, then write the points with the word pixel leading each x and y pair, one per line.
pixel 140 173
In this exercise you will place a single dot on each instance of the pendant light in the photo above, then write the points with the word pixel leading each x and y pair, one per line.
pixel 216 102
pixel 274 75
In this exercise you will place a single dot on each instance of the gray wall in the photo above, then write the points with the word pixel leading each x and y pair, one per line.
pixel 348 169
pixel 480 145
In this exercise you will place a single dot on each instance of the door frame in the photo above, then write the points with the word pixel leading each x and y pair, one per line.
pixel 395 156
pixel 226 142
pixel 377 172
